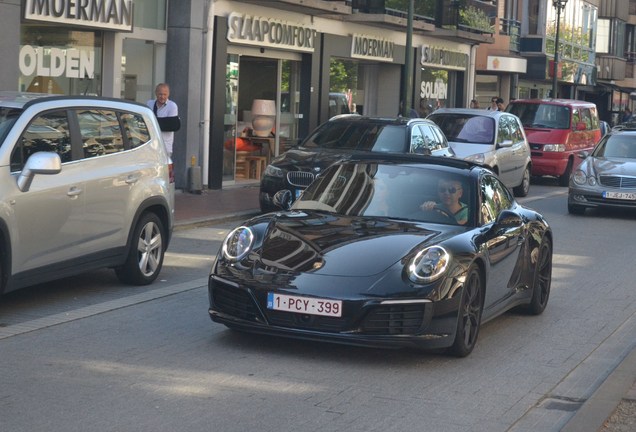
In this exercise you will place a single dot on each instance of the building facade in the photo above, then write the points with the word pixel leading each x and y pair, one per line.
pixel 228 61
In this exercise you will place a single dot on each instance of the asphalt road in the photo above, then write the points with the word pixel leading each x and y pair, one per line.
pixel 86 353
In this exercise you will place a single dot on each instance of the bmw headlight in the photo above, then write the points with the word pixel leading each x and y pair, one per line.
pixel 272 171
pixel 554 148
pixel 238 243
pixel 428 265
pixel 478 158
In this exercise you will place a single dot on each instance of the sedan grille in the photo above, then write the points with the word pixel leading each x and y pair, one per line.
pixel 395 320
pixel 300 178
pixel 620 182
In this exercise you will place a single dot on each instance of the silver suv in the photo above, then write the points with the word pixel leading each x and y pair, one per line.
pixel 85 183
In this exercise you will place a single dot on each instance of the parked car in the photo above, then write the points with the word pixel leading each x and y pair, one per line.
pixel 557 130
pixel 86 183
pixel 607 175
pixel 494 139
pixel 359 259
pixel 344 136
pixel 338 104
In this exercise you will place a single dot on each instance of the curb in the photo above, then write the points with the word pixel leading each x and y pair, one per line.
pixel 210 220
pixel 596 410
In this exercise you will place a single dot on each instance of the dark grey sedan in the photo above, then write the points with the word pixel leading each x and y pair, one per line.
pixel 607 176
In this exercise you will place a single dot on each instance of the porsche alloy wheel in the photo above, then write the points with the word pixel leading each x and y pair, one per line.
pixel 542 279
pixel 469 316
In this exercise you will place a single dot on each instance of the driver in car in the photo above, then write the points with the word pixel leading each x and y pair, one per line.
pixel 449 192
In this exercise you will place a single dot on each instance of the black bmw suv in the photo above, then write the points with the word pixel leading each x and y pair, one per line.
pixel 342 137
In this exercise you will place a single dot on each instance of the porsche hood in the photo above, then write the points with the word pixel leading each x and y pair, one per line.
pixel 330 245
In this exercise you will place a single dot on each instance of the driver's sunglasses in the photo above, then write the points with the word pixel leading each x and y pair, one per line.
pixel 450 190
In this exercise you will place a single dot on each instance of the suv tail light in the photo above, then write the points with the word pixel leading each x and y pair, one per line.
pixel 171 172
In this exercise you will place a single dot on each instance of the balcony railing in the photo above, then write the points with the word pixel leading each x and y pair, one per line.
pixel 511 28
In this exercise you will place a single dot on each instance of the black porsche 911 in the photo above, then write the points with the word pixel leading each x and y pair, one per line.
pixel 410 251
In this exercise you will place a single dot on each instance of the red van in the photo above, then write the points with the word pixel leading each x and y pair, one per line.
pixel 557 129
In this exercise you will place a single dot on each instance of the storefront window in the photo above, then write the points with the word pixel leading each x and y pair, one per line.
pixel 434 88
pixel 141 69
pixel 60 61
pixel 343 80
pixel 150 14
pixel 255 128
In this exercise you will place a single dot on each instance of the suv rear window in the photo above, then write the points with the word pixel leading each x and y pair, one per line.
pixel 365 136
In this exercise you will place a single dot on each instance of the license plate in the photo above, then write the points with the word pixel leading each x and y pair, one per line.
pixel 298 192
pixel 620 195
pixel 304 305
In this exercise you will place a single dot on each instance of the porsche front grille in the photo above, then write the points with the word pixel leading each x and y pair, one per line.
pixel 395 320
pixel 235 302
pixel 300 178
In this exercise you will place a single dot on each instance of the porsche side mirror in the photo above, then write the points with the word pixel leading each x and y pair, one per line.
pixel 508 219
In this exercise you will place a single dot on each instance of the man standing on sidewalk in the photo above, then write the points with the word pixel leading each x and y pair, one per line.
pixel 167 114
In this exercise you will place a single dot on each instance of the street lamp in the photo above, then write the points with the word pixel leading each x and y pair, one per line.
pixel 558 4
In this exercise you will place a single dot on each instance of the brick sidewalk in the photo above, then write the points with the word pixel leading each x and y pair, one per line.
pixel 214 204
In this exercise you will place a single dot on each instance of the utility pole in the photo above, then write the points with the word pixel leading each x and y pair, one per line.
pixel 408 63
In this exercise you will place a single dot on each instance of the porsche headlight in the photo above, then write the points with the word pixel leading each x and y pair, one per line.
pixel 478 158
pixel 554 148
pixel 428 265
pixel 238 243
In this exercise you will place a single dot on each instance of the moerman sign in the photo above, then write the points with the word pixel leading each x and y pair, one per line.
pixel 369 47
pixel 268 32
pixel 103 14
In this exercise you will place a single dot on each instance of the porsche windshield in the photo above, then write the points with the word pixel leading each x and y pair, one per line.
pixel 384 190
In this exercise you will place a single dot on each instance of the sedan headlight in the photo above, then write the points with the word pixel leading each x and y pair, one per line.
pixel 554 148
pixel 238 243
pixel 580 178
pixel 478 158
pixel 272 171
pixel 428 265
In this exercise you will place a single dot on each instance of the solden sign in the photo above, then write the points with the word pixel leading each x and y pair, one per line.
pixel 57 62
pixel 103 14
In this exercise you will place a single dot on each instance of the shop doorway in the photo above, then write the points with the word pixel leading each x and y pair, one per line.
pixel 262 111
pixel 369 88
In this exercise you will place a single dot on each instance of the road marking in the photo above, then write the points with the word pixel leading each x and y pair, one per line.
pixel 542 196
pixel 85 312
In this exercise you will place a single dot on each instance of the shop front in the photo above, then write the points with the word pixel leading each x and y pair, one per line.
pixel 262 92
pixel 442 75
pixel 91 48
pixel 365 69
